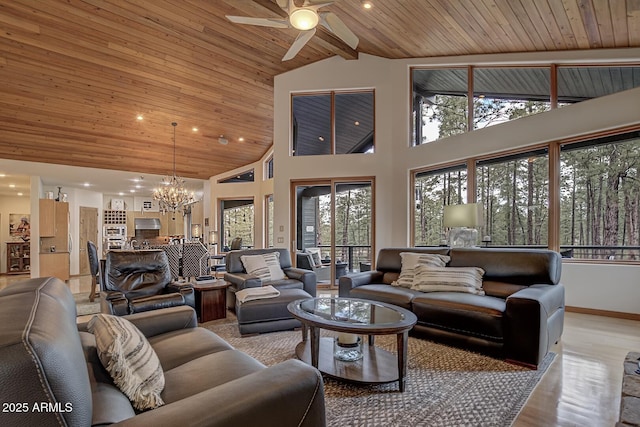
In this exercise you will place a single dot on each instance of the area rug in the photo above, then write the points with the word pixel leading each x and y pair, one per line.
pixel 84 306
pixel 446 386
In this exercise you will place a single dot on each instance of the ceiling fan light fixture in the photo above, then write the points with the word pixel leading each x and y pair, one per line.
pixel 303 19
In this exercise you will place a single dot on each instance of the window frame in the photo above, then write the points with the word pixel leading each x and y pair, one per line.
pixel 554 70
pixel 554 148
pixel 332 94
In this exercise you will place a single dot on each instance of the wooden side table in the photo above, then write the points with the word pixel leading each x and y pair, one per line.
pixel 211 300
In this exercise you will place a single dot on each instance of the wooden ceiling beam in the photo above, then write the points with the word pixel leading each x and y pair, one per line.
pixel 334 44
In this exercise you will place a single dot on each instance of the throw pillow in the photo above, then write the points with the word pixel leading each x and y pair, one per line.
pixel 265 266
pixel 130 360
pixel 410 260
pixel 315 256
pixel 317 262
pixel 448 279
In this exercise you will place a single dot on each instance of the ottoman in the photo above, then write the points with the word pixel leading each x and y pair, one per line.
pixel 268 314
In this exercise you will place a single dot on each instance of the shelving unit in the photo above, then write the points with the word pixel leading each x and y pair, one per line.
pixel 18 257
pixel 114 217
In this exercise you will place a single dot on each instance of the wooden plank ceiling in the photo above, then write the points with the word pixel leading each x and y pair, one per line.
pixel 74 74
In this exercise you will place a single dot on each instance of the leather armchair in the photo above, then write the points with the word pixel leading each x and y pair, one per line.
pixel 137 281
pixel 296 278
pixel 304 260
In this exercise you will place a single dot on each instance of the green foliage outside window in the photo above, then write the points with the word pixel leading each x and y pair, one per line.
pixel 600 197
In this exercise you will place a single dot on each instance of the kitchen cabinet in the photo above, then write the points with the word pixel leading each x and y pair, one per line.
pixel 168 225
pixel 18 257
pixel 54 220
pixel 55 264
pixel 47 218
pixel 54 225
pixel 54 239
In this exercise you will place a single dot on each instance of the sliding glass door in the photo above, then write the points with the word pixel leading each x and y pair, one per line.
pixel 334 218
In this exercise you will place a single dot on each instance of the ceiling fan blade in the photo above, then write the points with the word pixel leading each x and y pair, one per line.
pixel 299 43
pixel 334 24
pixel 262 22
pixel 317 3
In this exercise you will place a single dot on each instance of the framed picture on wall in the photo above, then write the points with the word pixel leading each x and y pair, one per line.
pixel 20 226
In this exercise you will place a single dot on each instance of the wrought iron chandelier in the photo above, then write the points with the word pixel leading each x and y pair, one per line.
pixel 172 194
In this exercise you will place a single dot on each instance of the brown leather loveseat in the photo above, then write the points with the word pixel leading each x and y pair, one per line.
pixel 51 374
pixel 519 318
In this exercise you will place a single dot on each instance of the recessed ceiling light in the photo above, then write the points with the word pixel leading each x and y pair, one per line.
pixel 357 123
pixel 139 117
pixel 12 186
pixel 132 191
pixel 121 194
pixel 2 175
pixel 86 184
pixel 195 129
pixel 367 4
pixel 241 139
pixel 321 138
pixel 19 194
pixel 222 140
pixel 138 186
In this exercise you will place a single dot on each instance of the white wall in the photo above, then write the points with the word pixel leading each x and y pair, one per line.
pixel 257 190
pixel 394 157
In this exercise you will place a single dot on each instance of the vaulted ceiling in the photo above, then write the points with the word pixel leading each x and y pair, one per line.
pixel 76 74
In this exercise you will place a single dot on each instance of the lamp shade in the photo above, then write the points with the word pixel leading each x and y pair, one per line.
pixel 468 215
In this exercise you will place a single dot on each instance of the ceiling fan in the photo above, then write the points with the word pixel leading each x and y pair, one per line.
pixel 304 18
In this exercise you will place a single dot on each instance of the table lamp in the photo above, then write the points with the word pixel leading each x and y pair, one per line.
pixel 461 221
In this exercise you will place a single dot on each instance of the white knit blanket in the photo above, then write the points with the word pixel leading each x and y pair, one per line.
pixel 250 294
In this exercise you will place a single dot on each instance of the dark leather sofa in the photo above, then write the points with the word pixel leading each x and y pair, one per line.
pixel 50 362
pixel 519 318
pixel 296 278
pixel 137 281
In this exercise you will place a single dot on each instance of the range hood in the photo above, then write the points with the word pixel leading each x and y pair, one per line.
pixel 147 224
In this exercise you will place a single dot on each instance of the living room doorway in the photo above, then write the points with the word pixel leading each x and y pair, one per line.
pixel 334 219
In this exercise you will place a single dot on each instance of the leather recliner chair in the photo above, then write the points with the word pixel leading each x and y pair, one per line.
pixel 137 281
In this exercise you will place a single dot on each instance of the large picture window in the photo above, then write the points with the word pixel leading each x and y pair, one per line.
pixel 577 84
pixel 504 94
pixel 236 223
pixel 600 198
pixel 440 106
pixel 597 191
pixel 333 123
pixel 433 190
pixel 514 194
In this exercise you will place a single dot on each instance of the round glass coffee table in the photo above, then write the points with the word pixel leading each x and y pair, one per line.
pixel 346 356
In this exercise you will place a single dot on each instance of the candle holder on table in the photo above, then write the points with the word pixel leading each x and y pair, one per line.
pixel 347 347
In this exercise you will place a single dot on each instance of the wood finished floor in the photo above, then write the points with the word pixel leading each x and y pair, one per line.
pixel 582 386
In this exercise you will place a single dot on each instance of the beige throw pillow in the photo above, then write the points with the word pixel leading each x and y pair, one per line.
pixel 448 279
pixel 265 266
pixel 315 256
pixel 410 260
pixel 130 360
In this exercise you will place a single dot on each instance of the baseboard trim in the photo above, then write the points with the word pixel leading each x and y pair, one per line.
pixel 605 313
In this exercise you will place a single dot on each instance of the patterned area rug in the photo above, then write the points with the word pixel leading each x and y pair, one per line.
pixel 445 386
pixel 84 306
